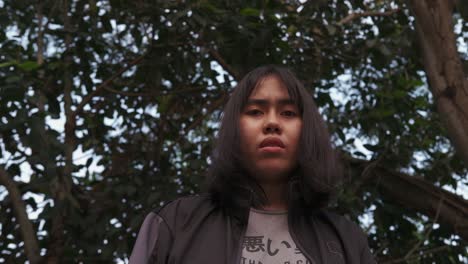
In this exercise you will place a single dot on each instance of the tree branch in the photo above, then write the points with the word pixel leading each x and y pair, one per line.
pixel 40 33
pixel 31 245
pixel 444 207
pixel 151 94
pixel 215 54
pixel 216 105
pixel 68 101
pixel 129 94
pixel 101 87
pixel 421 254
pixel 222 100
pixel 353 16
pixel 428 232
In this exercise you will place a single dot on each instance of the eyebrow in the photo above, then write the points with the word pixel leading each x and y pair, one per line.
pixel 264 102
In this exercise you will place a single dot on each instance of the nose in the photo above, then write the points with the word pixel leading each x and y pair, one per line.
pixel 271 125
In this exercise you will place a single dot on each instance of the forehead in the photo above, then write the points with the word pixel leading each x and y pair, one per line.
pixel 270 87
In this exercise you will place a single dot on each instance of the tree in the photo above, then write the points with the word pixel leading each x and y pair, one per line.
pixel 108 108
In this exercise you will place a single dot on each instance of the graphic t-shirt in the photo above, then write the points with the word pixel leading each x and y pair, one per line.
pixel 267 240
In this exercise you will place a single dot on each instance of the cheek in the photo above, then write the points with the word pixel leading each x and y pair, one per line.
pixel 244 130
pixel 297 134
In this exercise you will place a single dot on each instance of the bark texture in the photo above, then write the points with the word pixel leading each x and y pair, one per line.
pixel 415 193
pixel 444 68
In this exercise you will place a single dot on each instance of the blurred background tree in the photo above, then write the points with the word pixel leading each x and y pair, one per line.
pixel 108 109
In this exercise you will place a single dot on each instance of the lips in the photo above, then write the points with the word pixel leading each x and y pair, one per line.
pixel 271 142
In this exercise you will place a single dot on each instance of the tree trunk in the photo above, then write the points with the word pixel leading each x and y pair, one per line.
pixel 62 188
pixel 444 68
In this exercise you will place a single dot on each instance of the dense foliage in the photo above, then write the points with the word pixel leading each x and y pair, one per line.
pixel 109 108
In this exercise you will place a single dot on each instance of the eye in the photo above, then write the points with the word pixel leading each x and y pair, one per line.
pixel 289 113
pixel 254 112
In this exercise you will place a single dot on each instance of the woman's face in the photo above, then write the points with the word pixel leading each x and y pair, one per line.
pixel 270 129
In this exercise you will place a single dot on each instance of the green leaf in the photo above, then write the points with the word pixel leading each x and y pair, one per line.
pixel 196 164
pixel 164 103
pixel 384 50
pixel 210 7
pixel 341 135
pixel 371 43
pixel 331 29
pixel 462 7
pixel 153 198
pixel 292 30
pixel 7 64
pixel 54 107
pixel 360 154
pixel 250 12
pixel 89 161
pixel 13 79
pixel 131 190
pixel 28 65
pixel 370 147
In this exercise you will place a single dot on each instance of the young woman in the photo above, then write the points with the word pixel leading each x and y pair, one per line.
pixel 273 173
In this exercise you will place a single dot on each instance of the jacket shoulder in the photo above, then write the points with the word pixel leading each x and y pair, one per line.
pixel 342 223
pixel 184 208
pixel 346 229
pixel 352 237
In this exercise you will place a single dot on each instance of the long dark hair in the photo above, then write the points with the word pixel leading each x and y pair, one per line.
pixel 313 182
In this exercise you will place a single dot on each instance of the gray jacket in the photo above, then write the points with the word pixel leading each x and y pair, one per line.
pixel 196 230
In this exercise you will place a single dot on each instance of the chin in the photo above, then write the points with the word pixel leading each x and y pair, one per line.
pixel 273 171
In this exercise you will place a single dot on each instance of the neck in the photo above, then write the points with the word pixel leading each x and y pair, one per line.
pixel 276 194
